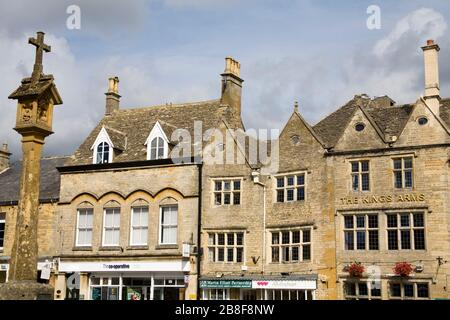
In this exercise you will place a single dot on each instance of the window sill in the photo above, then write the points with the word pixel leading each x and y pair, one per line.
pixel 76 248
pixel 166 246
pixel 111 248
pixel 137 247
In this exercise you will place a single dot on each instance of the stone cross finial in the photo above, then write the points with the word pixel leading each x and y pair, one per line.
pixel 38 42
pixel 296 106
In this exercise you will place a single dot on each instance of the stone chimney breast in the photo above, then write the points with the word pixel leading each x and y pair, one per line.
pixel 112 96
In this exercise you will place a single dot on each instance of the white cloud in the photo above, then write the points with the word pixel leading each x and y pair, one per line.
pixel 420 25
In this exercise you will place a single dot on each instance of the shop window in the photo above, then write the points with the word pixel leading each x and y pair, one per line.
pixel 104 288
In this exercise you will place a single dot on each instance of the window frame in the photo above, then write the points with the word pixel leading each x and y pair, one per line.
pixel 113 228
pixel 102 137
pixel 295 187
pixel 411 228
pixel 402 284
pixel 77 229
pixel 3 221
pixel 140 227
pixel 300 245
pixel 360 174
pixel 232 191
pixel 357 296
pixel 160 231
pixel 157 132
pixel 355 229
pixel 235 247
pixel 403 170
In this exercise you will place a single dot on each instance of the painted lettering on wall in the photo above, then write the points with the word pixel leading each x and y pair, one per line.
pixel 402 198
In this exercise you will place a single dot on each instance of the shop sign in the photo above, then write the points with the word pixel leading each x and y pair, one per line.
pixel 222 284
pixel 284 284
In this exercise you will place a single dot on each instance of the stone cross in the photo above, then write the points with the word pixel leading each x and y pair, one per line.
pixel 41 47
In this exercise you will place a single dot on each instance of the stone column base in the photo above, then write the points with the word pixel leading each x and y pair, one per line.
pixel 25 290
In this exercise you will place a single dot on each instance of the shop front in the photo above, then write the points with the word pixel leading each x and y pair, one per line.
pixel 259 288
pixel 119 280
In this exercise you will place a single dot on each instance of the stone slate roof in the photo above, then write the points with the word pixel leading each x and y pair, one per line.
pixel 389 119
pixel 445 111
pixel 50 181
pixel 129 128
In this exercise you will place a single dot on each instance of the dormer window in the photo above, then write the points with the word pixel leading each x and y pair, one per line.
pixel 157 143
pixel 103 153
pixel 157 148
pixel 102 148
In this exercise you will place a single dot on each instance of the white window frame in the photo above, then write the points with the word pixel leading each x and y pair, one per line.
pixel 295 186
pixel 3 220
pixel 104 227
pixel 140 227
pixel 161 226
pixel 78 228
pixel 157 132
pixel 102 137
pixel 206 293
pixel 222 192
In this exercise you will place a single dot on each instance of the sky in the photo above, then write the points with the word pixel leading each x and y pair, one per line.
pixel 318 52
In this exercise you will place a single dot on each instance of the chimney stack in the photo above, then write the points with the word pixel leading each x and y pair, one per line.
pixel 232 85
pixel 112 96
pixel 432 89
pixel 4 157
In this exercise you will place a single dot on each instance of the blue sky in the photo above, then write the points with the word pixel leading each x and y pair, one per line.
pixel 319 52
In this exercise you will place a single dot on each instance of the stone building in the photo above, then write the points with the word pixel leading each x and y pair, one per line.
pixel 171 202
pixel 49 197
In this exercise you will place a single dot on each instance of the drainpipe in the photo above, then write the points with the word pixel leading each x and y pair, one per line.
pixel 199 226
pixel 255 175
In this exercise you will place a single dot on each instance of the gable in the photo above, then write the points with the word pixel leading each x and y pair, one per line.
pixel 351 139
pixel 433 132
pixel 298 144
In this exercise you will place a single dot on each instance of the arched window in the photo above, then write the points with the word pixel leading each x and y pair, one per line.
pixel 103 152
pixel 157 148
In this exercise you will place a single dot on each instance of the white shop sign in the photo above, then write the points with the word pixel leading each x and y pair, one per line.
pixel 5 266
pixel 284 284
pixel 125 266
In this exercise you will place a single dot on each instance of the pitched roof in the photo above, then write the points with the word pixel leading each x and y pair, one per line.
pixel 390 119
pixel 132 127
pixel 445 111
pixel 50 181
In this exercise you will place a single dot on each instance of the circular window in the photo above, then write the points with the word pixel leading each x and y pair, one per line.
pixel 295 139
pixel 422 121
pixel 360 127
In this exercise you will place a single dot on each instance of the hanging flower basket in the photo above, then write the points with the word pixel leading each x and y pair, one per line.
pixel 403 269
pixel 356 269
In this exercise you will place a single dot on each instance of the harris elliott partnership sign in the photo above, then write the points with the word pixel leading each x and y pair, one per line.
pixel 402 198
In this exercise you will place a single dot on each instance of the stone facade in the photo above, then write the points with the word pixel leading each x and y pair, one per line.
pixel 368 186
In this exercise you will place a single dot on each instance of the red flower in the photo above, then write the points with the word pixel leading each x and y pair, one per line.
pixel 356 269
pixel 403 269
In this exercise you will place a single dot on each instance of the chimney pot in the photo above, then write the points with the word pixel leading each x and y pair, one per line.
pixel 112 96
pixel 430 42
pixel 232 85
